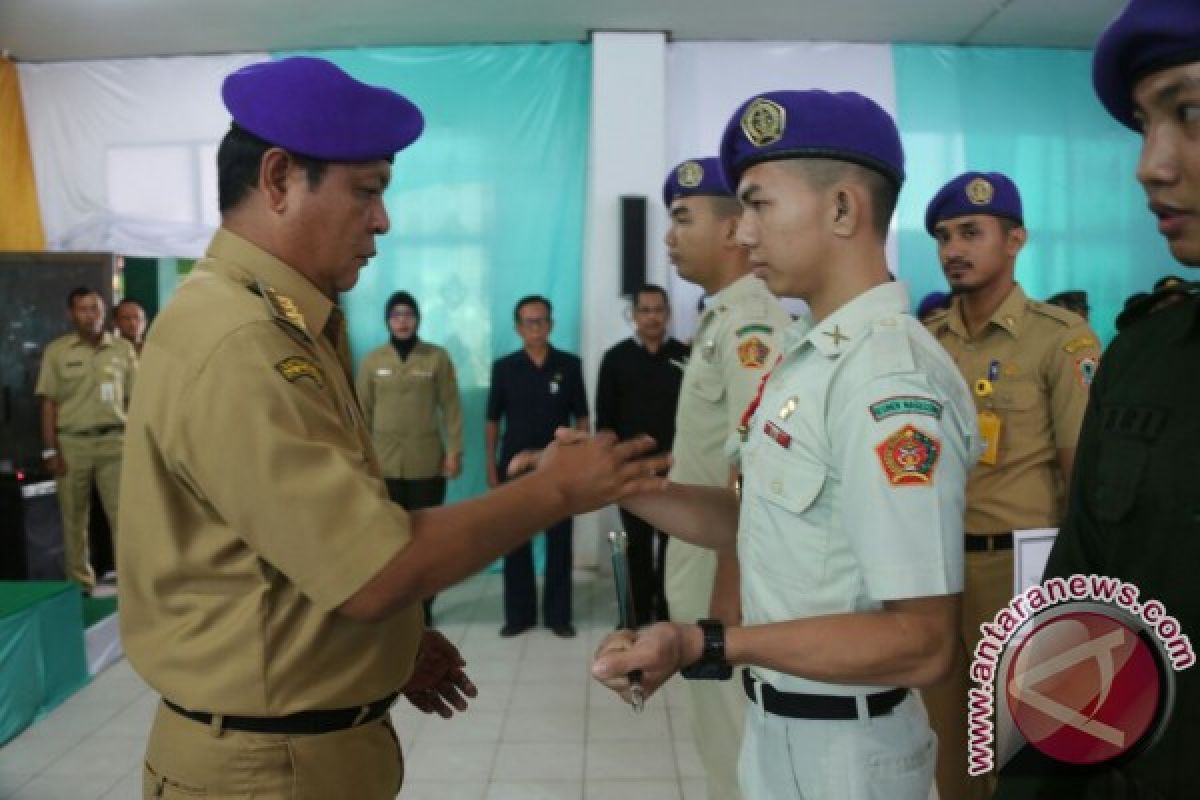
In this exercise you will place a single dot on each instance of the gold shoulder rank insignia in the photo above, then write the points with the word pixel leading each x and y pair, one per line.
pixel 763 122
pixel 293 368
pixel 1078 343
pixel 689 174
pixel 284 308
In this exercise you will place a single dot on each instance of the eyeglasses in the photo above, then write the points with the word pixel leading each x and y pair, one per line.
pixel 650 310
pixel 401 313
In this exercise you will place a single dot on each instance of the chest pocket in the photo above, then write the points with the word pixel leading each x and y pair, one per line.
pixel 708 388
pixel 786 538
pixel 1124 455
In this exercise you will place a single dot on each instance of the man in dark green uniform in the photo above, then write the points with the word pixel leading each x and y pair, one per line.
pixel 1134 512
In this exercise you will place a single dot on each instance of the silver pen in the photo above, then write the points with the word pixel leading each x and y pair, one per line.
pixel 620 565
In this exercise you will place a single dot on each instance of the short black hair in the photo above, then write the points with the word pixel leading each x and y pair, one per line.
pixel 78 292
pixel 124 302
pixel 650 288
pixel 824 172
pixel 529 300
pixel 239 161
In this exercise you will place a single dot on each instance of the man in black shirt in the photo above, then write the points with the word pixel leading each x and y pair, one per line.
pixel 535 390
pixel 1134 512
pixel 637 391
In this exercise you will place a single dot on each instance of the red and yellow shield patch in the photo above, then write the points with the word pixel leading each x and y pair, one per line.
pixel 753 352
pixel 909 456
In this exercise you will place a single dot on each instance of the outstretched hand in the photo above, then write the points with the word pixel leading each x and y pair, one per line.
pixel 439 685
pixel 594 471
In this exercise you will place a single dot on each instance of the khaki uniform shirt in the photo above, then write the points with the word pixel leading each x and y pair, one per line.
pixel 253 503
pixel 735 343
pixel 90 386
pixel 412 408
pixel 854 472
pixel 1044 358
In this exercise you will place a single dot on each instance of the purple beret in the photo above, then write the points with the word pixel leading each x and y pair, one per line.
pixel 975 193
pixel 312 108
pixel 696 176
pixel 1147 36
pixel 934 301
pixel 812 124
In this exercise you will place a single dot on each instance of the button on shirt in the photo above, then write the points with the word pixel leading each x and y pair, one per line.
pixel 854 472
pixel 1040 360
pixel 90 386
pixel 252 502
pixel 535 401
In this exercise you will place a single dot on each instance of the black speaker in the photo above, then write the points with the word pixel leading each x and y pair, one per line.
pixel 30 530
pixel 633 243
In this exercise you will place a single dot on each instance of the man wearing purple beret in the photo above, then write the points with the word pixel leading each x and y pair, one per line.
pixel 270 590
pixel 736 343
pixel 854 458
pixel 1133 510
pixel 1029 365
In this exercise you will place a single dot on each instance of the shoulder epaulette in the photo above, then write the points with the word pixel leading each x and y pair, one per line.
pixel 282 307
pixel 1059 315
pixel 1143 307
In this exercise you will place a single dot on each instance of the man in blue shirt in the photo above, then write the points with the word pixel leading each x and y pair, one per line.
pixel 535 390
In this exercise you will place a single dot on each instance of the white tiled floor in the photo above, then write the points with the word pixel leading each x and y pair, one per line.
pixel 541 729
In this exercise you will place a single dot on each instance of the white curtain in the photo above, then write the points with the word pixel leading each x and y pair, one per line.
pixel 706 81
pixel 124 151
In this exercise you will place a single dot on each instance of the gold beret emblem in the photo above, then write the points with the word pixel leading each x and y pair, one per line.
pixel 980 191
pixel 689 174
pixel 763 122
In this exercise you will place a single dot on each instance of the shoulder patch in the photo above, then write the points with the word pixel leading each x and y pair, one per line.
pixel 909 457
pixel 293 368
pixel 1080 342
pixel 753 352
pixel 746 330
pixel 1086 369
pixel 905 404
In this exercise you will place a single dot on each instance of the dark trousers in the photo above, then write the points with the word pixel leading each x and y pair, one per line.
pixel 646 569
pixel 415 495
pixel 520 585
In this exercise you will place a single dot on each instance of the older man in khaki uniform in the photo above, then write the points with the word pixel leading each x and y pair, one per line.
pixel 734 346
pixel 85 383
pixel 409 397
pixel 269 586
pixel 1029 365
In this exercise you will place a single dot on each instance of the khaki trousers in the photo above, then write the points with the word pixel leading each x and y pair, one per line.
pixel 987 589
pixel 718 707
pixel 89 460
pixel 187 759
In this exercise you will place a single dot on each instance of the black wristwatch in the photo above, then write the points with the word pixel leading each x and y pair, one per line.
pixel 711 666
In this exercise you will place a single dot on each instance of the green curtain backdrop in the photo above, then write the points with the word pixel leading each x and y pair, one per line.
pixel 1032 115
pixel 486 207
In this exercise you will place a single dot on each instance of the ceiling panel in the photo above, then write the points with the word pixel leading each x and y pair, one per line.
pixel 53 30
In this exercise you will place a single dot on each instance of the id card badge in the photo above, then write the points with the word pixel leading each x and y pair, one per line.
pixel 108 393
pixel 989 430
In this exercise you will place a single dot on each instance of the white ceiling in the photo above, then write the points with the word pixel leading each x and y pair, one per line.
pixel 58 30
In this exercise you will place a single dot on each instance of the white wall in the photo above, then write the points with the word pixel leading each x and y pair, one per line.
pixel 626 157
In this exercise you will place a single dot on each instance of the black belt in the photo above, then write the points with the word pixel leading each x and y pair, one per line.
pixel 819 706
pixel 988 542
pixel 103 430
pixel 310 722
